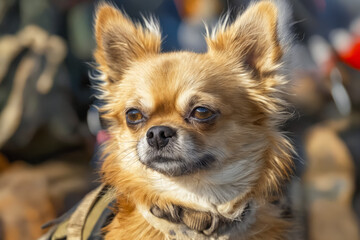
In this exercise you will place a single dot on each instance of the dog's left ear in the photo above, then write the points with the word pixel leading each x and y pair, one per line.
pixel 252 40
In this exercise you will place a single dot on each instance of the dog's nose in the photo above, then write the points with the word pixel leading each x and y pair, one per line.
pixel 159 136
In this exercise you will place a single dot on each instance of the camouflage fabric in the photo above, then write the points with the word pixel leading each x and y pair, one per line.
pixel 85 220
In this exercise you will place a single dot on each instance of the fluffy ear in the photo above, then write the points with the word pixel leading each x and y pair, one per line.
pixel 253 38
pixel 120 41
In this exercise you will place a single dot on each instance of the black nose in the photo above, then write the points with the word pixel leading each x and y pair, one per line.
pixel 159 136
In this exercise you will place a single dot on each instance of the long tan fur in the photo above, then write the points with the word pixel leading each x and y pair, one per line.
pixel 239 76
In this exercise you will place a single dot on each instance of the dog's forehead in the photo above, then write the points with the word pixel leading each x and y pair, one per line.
pixel 170 78
pixel 176 71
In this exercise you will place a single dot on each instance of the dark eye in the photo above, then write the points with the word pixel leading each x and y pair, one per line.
pixel 202 114
pixel 134 116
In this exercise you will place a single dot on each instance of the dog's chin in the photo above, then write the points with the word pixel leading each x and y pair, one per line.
pixel 176 167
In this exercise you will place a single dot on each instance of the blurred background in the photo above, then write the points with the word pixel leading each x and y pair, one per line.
pixel 50 131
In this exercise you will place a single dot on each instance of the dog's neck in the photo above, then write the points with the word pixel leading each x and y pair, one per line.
pixel 185 223
pixel 209 191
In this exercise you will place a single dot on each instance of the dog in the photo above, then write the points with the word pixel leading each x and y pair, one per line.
pixel 195 150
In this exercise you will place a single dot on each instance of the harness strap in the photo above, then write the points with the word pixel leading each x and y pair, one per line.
pixel 87 220
pixel 78 218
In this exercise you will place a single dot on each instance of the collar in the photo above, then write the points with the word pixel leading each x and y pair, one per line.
pixel 186 223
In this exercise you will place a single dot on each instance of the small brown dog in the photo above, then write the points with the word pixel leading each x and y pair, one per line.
pixel 195 150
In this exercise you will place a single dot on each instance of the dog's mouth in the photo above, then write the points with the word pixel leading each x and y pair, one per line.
pixel 175 167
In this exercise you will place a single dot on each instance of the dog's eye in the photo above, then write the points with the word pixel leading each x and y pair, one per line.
pixel 202 113
pixel 134 116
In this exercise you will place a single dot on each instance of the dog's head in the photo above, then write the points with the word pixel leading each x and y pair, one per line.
pixel 188 126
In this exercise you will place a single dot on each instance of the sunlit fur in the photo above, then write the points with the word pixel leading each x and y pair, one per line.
pixel 239 76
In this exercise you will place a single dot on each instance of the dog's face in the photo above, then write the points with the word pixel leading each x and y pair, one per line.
pixel 193 119
pixel 187 114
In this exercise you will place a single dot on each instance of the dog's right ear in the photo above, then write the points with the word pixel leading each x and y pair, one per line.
pixel 120 41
